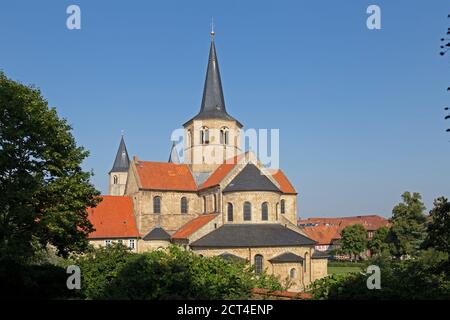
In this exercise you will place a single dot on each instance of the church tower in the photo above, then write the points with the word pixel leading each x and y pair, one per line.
pixel 119 172
pixel 212 136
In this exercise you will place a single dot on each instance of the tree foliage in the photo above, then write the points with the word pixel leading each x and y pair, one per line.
pixel 115 273
pixel 353 240
pixel 44 191
pixel 379 242
pixel 438 230
pixel 408 229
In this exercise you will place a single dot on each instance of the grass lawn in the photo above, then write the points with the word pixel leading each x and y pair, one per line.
pixel 342 270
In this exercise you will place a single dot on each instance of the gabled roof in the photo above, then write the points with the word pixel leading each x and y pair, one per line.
pixel 113 218
pixel 231 257
pixel 324 235
pixel 122 161
pixel 192 226
pixel 251 179
pixel 222 171
pixel 285 185
pixel 252 235
pixel 165 176
pixel 286 257
pixel 369 222
pixel 213 102
pixel 157 233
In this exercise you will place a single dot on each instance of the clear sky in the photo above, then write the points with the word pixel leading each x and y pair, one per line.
pixel 360 111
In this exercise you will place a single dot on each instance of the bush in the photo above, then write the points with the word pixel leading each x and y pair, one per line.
pixel 18 281
pixel 115 273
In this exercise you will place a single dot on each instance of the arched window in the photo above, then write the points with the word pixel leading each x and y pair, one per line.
pixel 204 204
pixel 283 206
pixel 115 180
pixel 184 205
pixel 157 204
pixel 264 211
pixel 247 211
pixel 258 263
pixel 189 138
pixel 230 211
pixel 204 135
pixel 224 136
pixel 293 273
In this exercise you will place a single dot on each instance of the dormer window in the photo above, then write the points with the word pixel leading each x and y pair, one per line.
pixel 204 135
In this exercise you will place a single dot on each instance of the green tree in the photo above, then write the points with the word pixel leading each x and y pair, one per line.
pixel 408 229
pixel 353 240
pixel 379 242
pixel 438 231
pixel 44 192
pixel 115 273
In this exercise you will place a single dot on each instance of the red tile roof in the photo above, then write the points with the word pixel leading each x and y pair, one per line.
pixel 323 234
pixel 325 230
pixel 369 222
pixel 165 176
pixel 192 226
pixel 285 185
pixel 113 218
pixel 221 172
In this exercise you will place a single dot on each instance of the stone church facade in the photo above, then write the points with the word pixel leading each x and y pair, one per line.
pixel 221 201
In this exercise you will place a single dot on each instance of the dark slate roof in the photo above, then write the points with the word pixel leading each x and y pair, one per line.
pixel 157 233
pixel 122 161
pixel 174 158
pixel 231 257
pixel 213 102
pixel 251 179
pixel 286 257
pixel 252 235
pixel 320 255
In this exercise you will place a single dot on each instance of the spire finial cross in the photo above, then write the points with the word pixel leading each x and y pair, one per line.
pixel 212 28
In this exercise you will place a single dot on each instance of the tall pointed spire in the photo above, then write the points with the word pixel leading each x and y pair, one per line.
pixel 174 158
pixel 122 161
pixel 213 102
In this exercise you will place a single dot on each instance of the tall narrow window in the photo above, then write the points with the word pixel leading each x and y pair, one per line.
pixel 265 211
pixel 305 263
pixel 204 135
pixel 258 263
pixel 157 204
pixel 204 204
pixel 215 203
pixel 115 180
pixel 189 138
pixel 247 211
pixel 283 206
pixel 184 205
pixel 230 211
pixel 131 244
pixel 224 136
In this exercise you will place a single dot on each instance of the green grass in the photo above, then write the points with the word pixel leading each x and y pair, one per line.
pixel 343 270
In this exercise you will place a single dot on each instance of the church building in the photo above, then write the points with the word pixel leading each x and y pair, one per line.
pixel 221 201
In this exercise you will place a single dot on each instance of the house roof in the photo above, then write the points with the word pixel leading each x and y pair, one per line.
pixel 251 179
pixel 252 235
pixel 231 257
pixel 165 176
pixel 192 226
pixel 286 257
pixel 157 233
pixel 324 235
pixel 122 161
pixel 113 218
pixel 369 222
pixel 283 181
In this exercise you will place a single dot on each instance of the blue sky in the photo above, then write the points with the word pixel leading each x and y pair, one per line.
pixel 360 111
